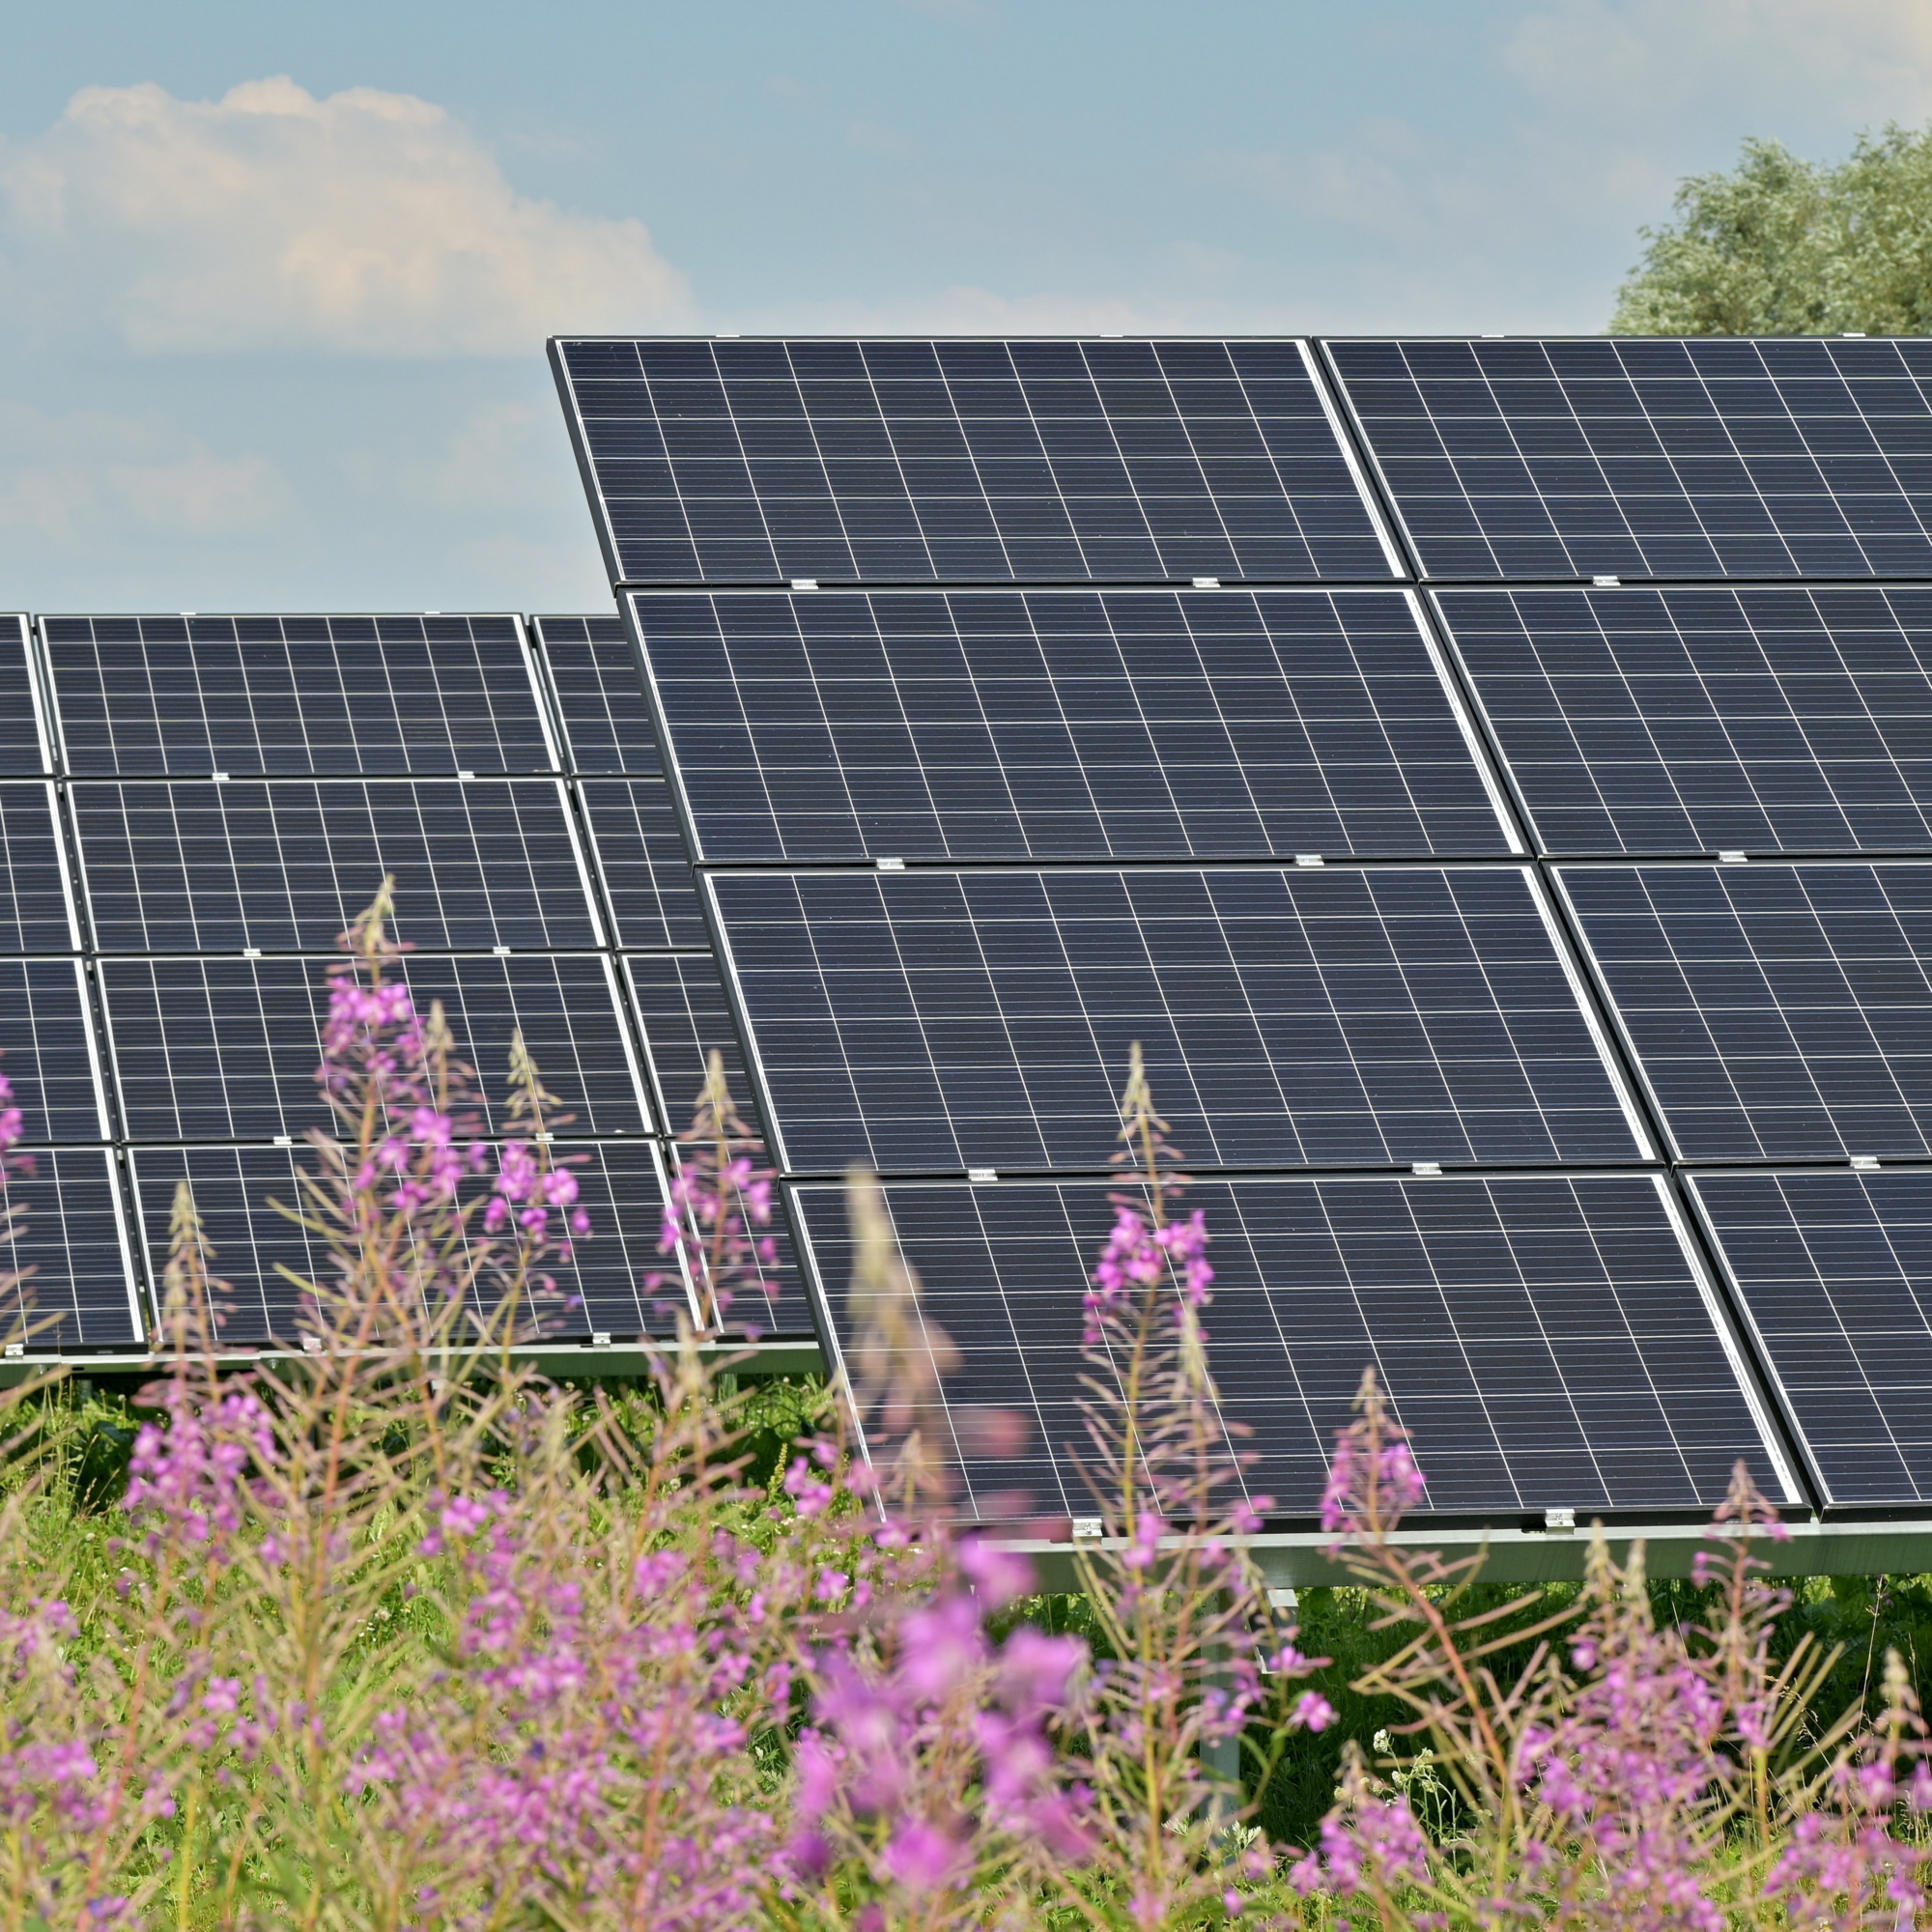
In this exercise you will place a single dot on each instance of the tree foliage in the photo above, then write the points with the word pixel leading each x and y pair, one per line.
pixel 1783 246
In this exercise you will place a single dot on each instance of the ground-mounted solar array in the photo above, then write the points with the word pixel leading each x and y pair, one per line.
pixel 1484 884
pixel 217 799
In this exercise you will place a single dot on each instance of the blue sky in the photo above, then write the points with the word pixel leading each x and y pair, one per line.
pixel 277 276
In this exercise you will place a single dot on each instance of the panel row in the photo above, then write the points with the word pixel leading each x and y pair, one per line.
pixel 958 461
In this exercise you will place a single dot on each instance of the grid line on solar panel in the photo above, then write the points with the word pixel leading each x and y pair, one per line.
pixel 287 864
pixel 600 696
pixel 37 910
pixel 1776 1012
pixel 685 1016
pixel 213 1048
pixel 1548 1341
pixel 1640 457
pixel 24 741
pixel 65 1223
pixel 1695 721
pixel 644 864
pixel 1834 1271
pixel 933 1021
pixel 1065 725
pixel 295 697
pixel 599 1289
pixel 965 461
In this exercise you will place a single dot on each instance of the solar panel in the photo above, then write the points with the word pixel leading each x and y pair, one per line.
pixel 680 1000
pixel 1680 722
pixel 1065 725
pixel 216 1048
pixel 748 462
pixel 1639 457
pixel 281 697
pixel 606 725
pixel 932 1020
pixel 1834 1271
pixel 35 912
pixel 286 866
pixel 1778 1012
pixel 646 870
pixel 1549 1342
pixel 47 1050
pixel 81 1292
pixel 250 1242
pixel 23 749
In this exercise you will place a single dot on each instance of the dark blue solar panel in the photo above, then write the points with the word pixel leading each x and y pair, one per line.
pixel 1064 724
pixel 681 1004
pixel 932 1020
pixel 226 1049
pixel 67 1230
pixel 1708 721
pixel 47 1050
pixel 1548 1341
pixel 198 867
pixel 1780 1011
pixel 249 1239
pixel 1638 457
pixel 22 746
pixel 175 697
pixel 34 916
pixel 646 870
pixel 963 461
pixel 1835 1272
pixel 607 723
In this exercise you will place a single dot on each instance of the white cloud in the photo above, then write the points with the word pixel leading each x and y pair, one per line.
pixel 365 223
pixel 71 477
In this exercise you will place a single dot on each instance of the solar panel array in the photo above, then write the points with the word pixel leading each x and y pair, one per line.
pixel 1519 894
pixel 217 799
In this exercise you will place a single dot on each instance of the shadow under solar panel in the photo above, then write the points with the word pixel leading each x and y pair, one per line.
pixel 895 459
pixel 935 1021
pixel 1673 722
pixel 1777 1011
pixel 1065 725
pixel 1834 1271
pixel 286 866
pixel 249 1240
pixel 1647 457
pixel 1548 1341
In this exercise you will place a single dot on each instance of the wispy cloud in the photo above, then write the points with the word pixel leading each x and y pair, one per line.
pixel 362 223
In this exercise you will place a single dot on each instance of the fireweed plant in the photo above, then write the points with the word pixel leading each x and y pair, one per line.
pixel 391 1632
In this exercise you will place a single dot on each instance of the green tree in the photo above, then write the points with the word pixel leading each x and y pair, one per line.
pixel 1782 247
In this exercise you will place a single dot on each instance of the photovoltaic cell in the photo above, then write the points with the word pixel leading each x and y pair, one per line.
pixel 249 1239
pixel 1834 1274
pixel 34 916
pixel 225 1049
pixel 748 461
pixel 607 723
pixel 680 1000
pixel 294 697
pixel 21 750
pixel 287 866
pixel 646 870
pixel 1778 1012
pixel 1685 721
pixel 1063 724
pixel 66 1227
pixel 46 1051
pixel 936 1021
pixel 1640 457
pixel 1547 1340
